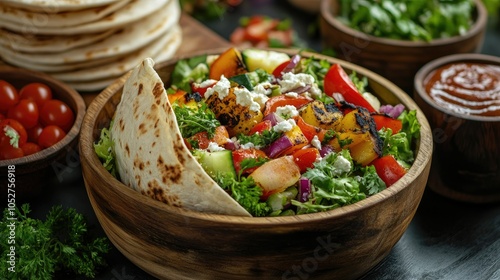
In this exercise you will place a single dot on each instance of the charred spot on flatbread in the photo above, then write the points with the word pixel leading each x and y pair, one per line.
pixel 169 172
pixel 158 92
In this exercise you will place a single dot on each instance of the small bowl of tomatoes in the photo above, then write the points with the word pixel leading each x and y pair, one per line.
pixel 40 119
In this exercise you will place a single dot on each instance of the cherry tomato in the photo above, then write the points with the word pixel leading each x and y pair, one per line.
pixel 388 169
pixel 38 92
pixel 337 81
pixel 56 112
pixel 11 128
pixel 2 116
pixel 241 154
pixel 8 96
pixel 34 133
pixel 30 148
pixel 305 158
pixel 260 127
pixel 50 135
pixel 9 152
pixel 25 112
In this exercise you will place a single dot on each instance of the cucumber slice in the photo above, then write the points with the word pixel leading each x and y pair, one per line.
pixel 216 162
pixel 263 59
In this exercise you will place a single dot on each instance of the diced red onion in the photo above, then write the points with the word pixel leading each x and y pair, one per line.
pixel 338 97
pixel 230 145
pixel 278 146
pixel 300 90
pixel 304 189
pixel 392 111
pixel 274 118
pixel 325 150
pixel 293 62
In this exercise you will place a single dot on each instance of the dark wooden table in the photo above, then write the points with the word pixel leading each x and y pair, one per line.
pixel 446 239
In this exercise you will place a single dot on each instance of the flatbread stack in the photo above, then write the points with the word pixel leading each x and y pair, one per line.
pixel 87 43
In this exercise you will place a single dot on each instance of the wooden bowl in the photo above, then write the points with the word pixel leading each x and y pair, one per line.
pixel 172 243
pixel 32 173
pixel 466 163
pixel 396 60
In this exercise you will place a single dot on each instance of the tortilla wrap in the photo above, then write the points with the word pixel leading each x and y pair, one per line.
pixel 151 155
pixel 56 6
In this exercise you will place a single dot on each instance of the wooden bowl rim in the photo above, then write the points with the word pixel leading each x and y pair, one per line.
pixel 478 26
pixel 66 90
pixel 424 72
pixel 422 158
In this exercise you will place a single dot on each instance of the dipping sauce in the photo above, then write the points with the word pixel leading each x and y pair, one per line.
pixel 466 88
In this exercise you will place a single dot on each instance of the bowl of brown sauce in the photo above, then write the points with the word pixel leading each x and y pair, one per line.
pixel 460 96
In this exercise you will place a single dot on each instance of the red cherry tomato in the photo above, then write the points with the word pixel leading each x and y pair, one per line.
pixel 260 127
pixel 34 133
pixel 50 135
pixel 2 116
pixel 26 112
pixel 9 152
pixel 11 128
pixel 56 112
pixel 388 169
pixel 305 158
pixel 38 92
pixel 8 96
pixel 240 155
pixel 30 148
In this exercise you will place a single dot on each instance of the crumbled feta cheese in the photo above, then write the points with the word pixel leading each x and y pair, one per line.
pixel 284 126
pixel 207 83
pixel 248 145
pixel 263 88
pixel 221 87
pixel 292 81
pixel 316 143
pixel 214 147
pixel 287 111
pixel 246 98
pixel 342 165
pixel 315 92
pixel 292 94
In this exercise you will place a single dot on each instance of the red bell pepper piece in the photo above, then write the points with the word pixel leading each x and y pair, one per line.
pixel 386 121
pixel 283 100
pixel 388 169
pixel 305 158
pixel 337 80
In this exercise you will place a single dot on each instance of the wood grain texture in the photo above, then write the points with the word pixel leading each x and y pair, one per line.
pixel 396 60
pixel 173 243
pixel 33 171
pixel 467 148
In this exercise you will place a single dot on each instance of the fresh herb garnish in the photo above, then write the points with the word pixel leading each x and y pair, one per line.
pixel 194 120
pixel 42 248
pixel 261 140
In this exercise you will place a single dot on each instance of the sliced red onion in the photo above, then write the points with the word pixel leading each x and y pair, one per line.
pixel 304 189
pixel 293 63
pixel 392 111
pixel 278 146
pixel 300 90
pixel 325 150
pixel 274 118
pixel 338 97
pixel 230 145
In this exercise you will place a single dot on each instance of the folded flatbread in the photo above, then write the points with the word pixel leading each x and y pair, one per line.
pixel 151 154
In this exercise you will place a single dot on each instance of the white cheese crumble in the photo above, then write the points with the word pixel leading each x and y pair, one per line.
pixel 342 165
pixel 316 143
pixel 249 99
pixel 292 81
pixel 284 126
pixel 287 111
pixel 221 87
pixel 263 89
pixel 207 83
pixel 214 147
pixel 292 94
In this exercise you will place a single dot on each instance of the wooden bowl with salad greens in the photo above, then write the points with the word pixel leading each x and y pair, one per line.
pixel 254 163
pixel 396 38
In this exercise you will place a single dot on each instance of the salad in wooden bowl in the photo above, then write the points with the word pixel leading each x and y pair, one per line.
pixel 254 158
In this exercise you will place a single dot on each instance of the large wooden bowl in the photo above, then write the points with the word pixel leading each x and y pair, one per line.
pixel 396 60
pixel 466 165
pixel 32 173
pixel 172 243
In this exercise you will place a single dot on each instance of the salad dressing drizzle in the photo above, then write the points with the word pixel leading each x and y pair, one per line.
pixel 466 88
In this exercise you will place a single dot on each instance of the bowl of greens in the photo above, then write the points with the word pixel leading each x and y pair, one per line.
pixel 244 163
pixel 396 38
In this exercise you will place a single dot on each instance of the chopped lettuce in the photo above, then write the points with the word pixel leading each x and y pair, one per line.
pixel 105 152
pixel 336 181
pixel 190 70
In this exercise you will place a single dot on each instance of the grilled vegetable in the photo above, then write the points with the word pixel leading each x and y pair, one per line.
pixel 229 64
pixel 318 114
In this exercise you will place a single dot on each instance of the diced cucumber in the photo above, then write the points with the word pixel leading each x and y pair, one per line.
pixel 263 59
pixel 216 162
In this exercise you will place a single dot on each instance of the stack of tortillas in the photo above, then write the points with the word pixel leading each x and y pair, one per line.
pixel 87 43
